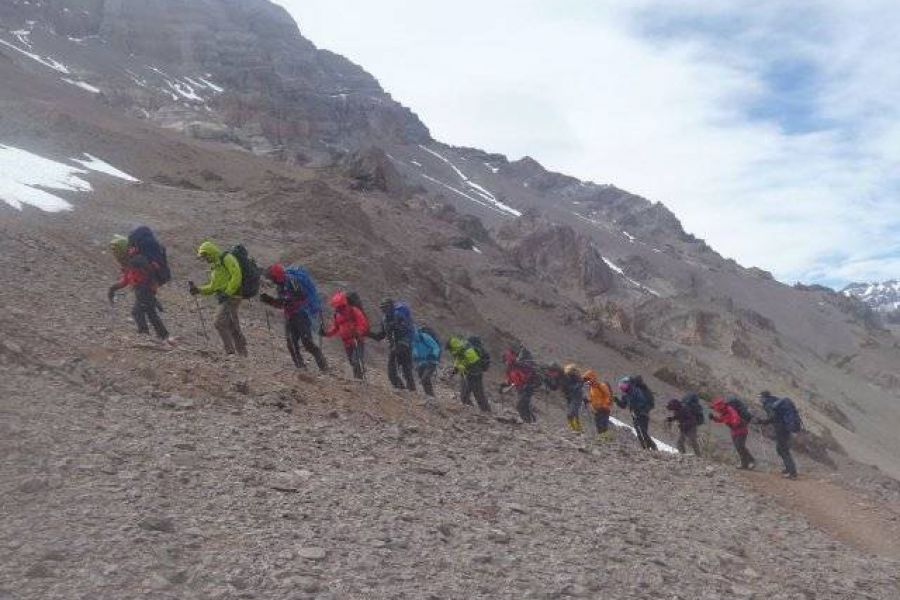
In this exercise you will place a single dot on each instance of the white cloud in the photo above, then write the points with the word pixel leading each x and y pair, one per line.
pixel 654 97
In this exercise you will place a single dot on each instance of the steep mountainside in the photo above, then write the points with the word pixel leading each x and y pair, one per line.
pixel 621 270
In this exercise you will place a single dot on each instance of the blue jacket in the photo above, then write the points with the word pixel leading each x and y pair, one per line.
pixel 425 349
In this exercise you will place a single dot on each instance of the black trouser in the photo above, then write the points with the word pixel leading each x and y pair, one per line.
pixel 685 437
pixel 298 328
pixel 473 384
pixel 601 420
pixel 783 447
pixel 400 361
pixel 642 427
pixel 524 406
pixel 145 310
pixel 356 354
pixel 426 376
pixel 740 444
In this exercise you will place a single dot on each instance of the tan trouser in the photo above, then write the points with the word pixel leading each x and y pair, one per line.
pixel 228 325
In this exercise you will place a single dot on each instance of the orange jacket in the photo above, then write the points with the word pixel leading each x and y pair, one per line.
pixel 599 393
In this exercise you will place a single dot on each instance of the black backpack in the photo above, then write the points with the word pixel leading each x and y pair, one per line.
pixel 484 356
pixel 250 273
pixel 692 401
pixel 353 299
pixel 143 239
pixel 787 413
pixel 741 408
pixel 638 381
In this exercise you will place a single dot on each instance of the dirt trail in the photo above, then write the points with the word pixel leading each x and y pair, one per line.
pixel 847 515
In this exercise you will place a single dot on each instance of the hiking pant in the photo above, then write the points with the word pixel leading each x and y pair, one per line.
pixel 601 421
pixel 573 407
pixel 783 448
pixel 426 373
pixel 642 428
pixel 400 362
pixel 228 325
pixel 297 329
pixel 685 437
pixel 356 354
pixel 473 384
pixel 524 406
pixel 740 444
pixel 145 309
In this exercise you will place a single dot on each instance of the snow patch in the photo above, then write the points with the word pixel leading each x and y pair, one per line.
pixel 23 174
pixel 81 84
pixel 95 164
pixel 216 88
pixel 662 446
pixel 481 191
pixel 493 169
pixel 416 163
pixel 621 272
pixel 46 61
pixel 630 237
pixel 477 250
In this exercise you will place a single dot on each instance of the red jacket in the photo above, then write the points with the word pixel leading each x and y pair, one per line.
pixel 727 415
pixel 350 324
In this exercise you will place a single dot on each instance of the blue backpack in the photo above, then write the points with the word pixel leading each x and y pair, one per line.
pixel 313 305
pixel 786 412
pixel 426 346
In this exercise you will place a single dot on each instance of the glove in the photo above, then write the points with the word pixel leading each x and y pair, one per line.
pixel 192 289
pixel 111 295
pixel 266 298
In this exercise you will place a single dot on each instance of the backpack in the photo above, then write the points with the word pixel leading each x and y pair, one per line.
pixel 426 333
pixel 353 299
pixel 484 357
pixel 787 413
pixel 250 273
pixel 741 408
pixel 143 239
pixel 693 404
pixel 426 330
pixel 313 305
pixel 638 381
pixel 551 376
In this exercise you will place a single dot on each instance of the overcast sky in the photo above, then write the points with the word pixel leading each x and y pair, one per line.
pixel 771 128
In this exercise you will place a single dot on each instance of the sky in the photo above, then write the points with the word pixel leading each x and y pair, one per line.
pixel 770 128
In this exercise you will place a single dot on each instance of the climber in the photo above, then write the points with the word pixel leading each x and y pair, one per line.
pixel 469 363
pixel 599 397
pixel 783 415
pixel 687 425
pixel 572 386
pixel 524 378
pixel 351 325
pixel 426 354
pixel 726 413
pixel 136 272
pixel 638 398
pixel 299 299
pixel 397 326
pixel 225 278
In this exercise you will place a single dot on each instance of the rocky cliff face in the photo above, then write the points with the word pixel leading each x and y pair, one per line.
pixel 233 70
pixel 882 297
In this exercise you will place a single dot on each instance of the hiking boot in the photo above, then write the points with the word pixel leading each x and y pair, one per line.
pixel 790 476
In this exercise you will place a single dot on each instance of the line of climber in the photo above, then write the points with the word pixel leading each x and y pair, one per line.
pixel 416 349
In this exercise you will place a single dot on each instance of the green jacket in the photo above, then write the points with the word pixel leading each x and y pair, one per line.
pixel 224 271
pixel 465 358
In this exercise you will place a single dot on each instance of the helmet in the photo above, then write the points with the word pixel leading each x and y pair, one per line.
pixel 276 273
pixel 570 368
pixel 386 304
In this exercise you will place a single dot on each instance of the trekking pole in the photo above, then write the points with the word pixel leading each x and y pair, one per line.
pixel 271 336
pixel 202 320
